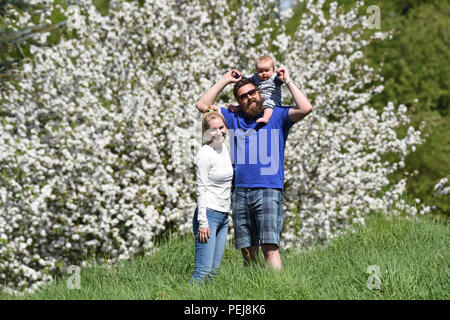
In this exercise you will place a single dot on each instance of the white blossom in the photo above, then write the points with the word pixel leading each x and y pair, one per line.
pixel 440 189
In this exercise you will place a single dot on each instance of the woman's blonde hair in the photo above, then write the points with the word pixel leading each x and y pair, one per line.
pixel 210 114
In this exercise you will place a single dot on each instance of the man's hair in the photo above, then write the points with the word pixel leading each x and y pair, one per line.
pixel 242 83
pixel 264 59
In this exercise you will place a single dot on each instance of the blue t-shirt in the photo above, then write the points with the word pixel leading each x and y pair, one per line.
pixel 257 150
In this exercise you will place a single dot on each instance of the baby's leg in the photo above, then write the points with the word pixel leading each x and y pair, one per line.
pixel 266 117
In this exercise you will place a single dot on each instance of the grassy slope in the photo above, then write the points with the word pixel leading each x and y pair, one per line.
pixel 413 257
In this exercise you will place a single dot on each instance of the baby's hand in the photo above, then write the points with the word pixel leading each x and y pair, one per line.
pixel 232 108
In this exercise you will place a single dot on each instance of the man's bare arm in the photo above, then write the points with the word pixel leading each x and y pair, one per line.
pixel 302 105
pixel 212 93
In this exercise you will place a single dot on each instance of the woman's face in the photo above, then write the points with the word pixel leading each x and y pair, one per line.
pixel 217 130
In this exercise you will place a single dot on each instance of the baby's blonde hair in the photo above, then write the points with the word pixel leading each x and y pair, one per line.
pixel 211 113
pixel 264 59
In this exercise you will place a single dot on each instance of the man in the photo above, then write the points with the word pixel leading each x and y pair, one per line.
pixel 257 152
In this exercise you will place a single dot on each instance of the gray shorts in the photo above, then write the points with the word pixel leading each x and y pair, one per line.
pixel 257 216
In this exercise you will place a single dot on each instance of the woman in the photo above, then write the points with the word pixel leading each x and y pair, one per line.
pixel 214 174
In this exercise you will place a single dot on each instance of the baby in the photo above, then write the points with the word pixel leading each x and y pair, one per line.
pixel 269 86
pixel 266 80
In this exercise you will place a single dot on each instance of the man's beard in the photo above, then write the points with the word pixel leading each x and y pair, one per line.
pixel 253 111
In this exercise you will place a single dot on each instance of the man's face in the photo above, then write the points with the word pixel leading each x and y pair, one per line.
pixel 250 100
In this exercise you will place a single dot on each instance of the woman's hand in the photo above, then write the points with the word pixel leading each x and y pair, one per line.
pixel 203 234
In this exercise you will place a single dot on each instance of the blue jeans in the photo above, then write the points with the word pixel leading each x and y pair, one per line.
pixel 208 255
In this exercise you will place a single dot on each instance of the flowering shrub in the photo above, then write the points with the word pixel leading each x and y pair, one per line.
pixel 97 140
pixel 440 189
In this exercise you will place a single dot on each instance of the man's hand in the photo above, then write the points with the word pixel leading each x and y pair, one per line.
pixel 208 98
pixel 230 76
pixel 302 106
pixel 283 74
pixel 203 234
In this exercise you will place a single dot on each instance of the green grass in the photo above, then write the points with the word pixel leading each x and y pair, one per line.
pixel 413 257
